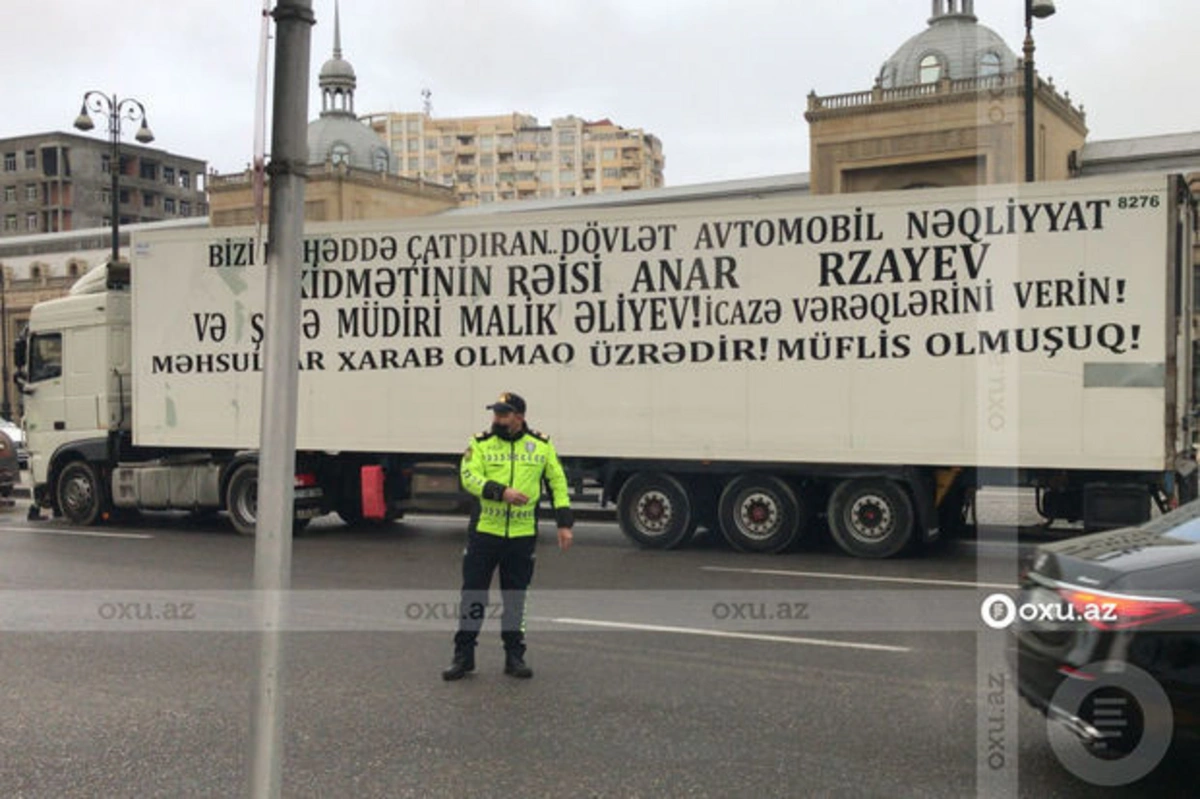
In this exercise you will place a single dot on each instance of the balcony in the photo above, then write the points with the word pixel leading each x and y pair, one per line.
pixel 945 90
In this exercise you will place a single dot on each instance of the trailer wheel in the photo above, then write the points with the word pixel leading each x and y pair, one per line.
pixel 80 493
pixel 654 509
pixel 759 513
pixel 871 518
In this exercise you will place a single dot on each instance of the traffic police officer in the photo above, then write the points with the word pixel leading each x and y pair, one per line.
pixel 504 468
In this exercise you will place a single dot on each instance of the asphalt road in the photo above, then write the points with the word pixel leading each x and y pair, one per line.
pixel 131 657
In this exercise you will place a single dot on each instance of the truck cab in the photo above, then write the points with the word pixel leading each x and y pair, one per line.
pixel 75 374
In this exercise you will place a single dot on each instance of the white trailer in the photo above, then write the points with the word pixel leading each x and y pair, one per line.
pixel 749 365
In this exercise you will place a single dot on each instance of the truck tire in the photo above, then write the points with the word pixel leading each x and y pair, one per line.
pixel 759 513
pixel 871 517
pixel 654 509
pixel 241 498
pixel 80 493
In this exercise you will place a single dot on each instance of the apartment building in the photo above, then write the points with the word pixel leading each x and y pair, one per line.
pixel 512 157
pixel 54 182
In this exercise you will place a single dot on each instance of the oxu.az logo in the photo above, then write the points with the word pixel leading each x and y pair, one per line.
pixel 1000 610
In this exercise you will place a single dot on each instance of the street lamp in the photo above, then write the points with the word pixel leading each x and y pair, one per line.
pixel 1040 9
pixel 115 109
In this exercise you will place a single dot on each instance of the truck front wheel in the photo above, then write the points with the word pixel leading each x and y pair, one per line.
pixel 759 513
pixel 80 493
pixel 654 510
pixel 871 518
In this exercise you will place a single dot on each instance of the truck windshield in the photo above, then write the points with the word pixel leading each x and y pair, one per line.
pixel 45 357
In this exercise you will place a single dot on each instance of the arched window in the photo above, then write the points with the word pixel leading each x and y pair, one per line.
pixel 989 64
pixel 380 159
pixel 931 69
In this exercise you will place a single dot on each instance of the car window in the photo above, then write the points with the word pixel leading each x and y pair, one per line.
pixel 1188 531
pixel 1182 523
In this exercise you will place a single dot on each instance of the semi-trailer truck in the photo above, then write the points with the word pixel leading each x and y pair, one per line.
pixel 756 366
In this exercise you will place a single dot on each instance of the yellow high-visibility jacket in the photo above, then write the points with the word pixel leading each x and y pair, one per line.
pixel 492 463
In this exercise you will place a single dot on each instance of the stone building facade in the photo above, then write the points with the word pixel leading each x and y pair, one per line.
pixel 351 172
pixel 946 109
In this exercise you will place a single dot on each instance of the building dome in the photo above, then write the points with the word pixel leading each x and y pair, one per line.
pixel 954 46
pixel 337 136
pixel 342 139
pixel 338 68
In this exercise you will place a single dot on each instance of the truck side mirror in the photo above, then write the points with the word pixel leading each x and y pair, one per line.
pixel 20 350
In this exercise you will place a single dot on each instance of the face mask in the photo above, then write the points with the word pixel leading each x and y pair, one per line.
pixel 500 429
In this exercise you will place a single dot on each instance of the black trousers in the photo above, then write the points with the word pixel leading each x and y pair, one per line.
pixel 484 554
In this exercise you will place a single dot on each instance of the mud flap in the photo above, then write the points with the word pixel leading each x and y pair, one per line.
pixel 374 503
pixel 924 491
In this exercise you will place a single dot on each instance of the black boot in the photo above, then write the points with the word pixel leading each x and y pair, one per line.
pixel 463 664
pixel 514 665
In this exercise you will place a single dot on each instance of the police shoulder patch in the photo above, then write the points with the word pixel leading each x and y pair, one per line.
pixel 539 435
pixel 484 436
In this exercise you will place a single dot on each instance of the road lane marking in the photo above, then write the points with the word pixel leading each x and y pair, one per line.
pixel 863 577
pixel 993 542
pixel 82 533
pixel 784 639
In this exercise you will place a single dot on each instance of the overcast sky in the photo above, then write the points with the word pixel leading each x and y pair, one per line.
pixel 721 82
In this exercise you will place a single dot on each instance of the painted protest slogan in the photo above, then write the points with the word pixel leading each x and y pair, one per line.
pixel 860 285
pixel 882 293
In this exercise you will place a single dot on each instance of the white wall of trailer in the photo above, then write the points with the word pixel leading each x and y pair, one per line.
pixel 1029 329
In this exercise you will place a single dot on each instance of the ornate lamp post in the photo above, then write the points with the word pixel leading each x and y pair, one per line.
pixel 1040 9
pixel 116 110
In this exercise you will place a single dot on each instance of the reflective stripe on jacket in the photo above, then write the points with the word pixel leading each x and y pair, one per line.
pixel 492 464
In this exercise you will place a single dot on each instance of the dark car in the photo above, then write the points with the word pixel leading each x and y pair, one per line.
pixel 10 470
pixel 17 435
pixel 1106 639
